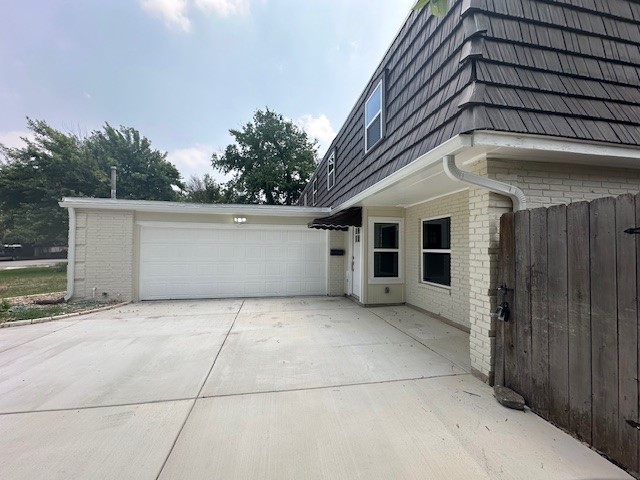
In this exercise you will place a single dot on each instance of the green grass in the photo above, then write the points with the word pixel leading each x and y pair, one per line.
pixel 29 312
pixel 33 280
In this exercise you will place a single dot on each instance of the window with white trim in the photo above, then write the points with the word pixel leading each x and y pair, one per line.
pixel 331 171
pixel 436 251
pixel 385 250
pixel 373 118
pixel 314 193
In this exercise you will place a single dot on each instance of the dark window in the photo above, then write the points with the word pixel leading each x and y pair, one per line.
pixel 386 250
pixel 385 264
pixel 331 171
pixel 436 251
pixel 373 117
pixel 314 193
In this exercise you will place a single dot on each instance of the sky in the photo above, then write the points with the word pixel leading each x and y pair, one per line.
pixel 184 72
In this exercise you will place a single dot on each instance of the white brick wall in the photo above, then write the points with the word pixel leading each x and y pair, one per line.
pixel 104 254
pixel 547 184
pixel 337 264
pixel 544 184
pixel 452 303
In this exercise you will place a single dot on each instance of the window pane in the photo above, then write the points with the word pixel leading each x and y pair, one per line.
pixel 385 264
pixel 436 234
pixel 374 104
pixel 374 133
pixel 385 235
pixel 437 268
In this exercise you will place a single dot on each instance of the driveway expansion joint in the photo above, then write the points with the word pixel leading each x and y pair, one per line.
pixel 186 418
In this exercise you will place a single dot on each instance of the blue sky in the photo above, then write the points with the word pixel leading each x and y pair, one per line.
pixel 184 72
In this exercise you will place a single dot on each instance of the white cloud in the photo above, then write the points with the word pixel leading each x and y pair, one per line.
pixel 13 139
pixel 172 11
pixel 196 161
pixel 224 8
pixel 319 128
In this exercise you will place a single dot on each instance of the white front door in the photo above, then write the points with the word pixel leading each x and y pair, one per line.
pixel 356 263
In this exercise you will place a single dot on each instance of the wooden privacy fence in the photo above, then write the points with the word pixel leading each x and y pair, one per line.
pixel 570 346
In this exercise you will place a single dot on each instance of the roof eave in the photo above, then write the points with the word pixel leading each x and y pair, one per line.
pixel 192 208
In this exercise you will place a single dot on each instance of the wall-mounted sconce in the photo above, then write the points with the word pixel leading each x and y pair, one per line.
pixel 239 220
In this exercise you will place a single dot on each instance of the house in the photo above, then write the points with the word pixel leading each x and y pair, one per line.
pixel 497 105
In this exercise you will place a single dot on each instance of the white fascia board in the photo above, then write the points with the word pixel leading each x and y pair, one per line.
pixel 452 146
pixel 552 144
pixel 193 208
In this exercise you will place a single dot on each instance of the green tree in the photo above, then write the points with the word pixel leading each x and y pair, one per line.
pixel 204 190
pixel 32 180
pixel 143 173
pixel 54 164
pixel 271 160
pixel 438 7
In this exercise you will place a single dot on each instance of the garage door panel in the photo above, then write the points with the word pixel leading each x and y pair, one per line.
pixel 211 262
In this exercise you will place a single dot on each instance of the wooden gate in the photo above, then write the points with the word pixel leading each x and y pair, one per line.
pixel 570 346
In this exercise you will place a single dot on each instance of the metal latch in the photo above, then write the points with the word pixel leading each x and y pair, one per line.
pixel 633 231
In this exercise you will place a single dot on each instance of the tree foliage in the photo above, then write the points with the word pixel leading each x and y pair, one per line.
pixel 54 164
pixel 438 7
pixel 204 190
pixel 271 160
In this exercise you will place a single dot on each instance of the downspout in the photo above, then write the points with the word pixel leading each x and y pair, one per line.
pixel 71 255
pixel 516 195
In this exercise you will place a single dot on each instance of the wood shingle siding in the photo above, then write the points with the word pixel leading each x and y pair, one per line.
pixel 567 68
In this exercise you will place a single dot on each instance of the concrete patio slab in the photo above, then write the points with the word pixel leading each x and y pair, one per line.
pixel 104 361
pixel 311 349
pixel 295 388
pixel 15 336
pixel 120 443
pixel 439 428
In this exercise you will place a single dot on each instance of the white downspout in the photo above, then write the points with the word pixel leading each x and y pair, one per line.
pixel 71 255
pixel 516 195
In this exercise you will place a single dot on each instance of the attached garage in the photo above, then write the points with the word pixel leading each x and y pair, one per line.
pixel 217 261
pixel 141 250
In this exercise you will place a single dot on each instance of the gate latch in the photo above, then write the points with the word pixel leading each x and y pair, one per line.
pixel 633 231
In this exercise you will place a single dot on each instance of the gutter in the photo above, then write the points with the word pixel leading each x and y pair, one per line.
pixel 516 195
pixel 71 255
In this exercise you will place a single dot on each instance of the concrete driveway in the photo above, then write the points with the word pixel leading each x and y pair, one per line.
pixel 313 388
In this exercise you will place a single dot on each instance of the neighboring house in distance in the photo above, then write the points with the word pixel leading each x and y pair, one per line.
pixel 498 105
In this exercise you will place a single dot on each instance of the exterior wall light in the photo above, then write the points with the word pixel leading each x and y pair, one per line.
pixel 239 220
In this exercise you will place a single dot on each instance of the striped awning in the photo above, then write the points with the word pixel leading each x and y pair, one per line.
pixel 351 217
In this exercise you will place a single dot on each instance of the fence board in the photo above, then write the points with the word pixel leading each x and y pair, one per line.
pixel 627 451
pixel 522 325
pixel 604 337
pixel 558 316
pixel 507 251
pixel 539 312
pixel 579 303
pixel 504 278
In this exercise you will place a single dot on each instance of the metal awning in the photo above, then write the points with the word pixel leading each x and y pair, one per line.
pixel 351 217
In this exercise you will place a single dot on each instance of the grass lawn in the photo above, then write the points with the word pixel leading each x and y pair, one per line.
pixel 33 280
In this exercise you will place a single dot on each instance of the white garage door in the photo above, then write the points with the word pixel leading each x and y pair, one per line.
pixel 197 261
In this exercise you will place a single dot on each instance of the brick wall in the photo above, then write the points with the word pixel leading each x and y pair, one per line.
pixel 451 303
pixel 544 184
pixel 337 264
pixel 104 254
pixel 547 184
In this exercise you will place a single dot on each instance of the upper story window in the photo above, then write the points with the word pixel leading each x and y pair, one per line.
pixel 314 193
pixel 436 251
pixel 331 171
pixel 373 118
